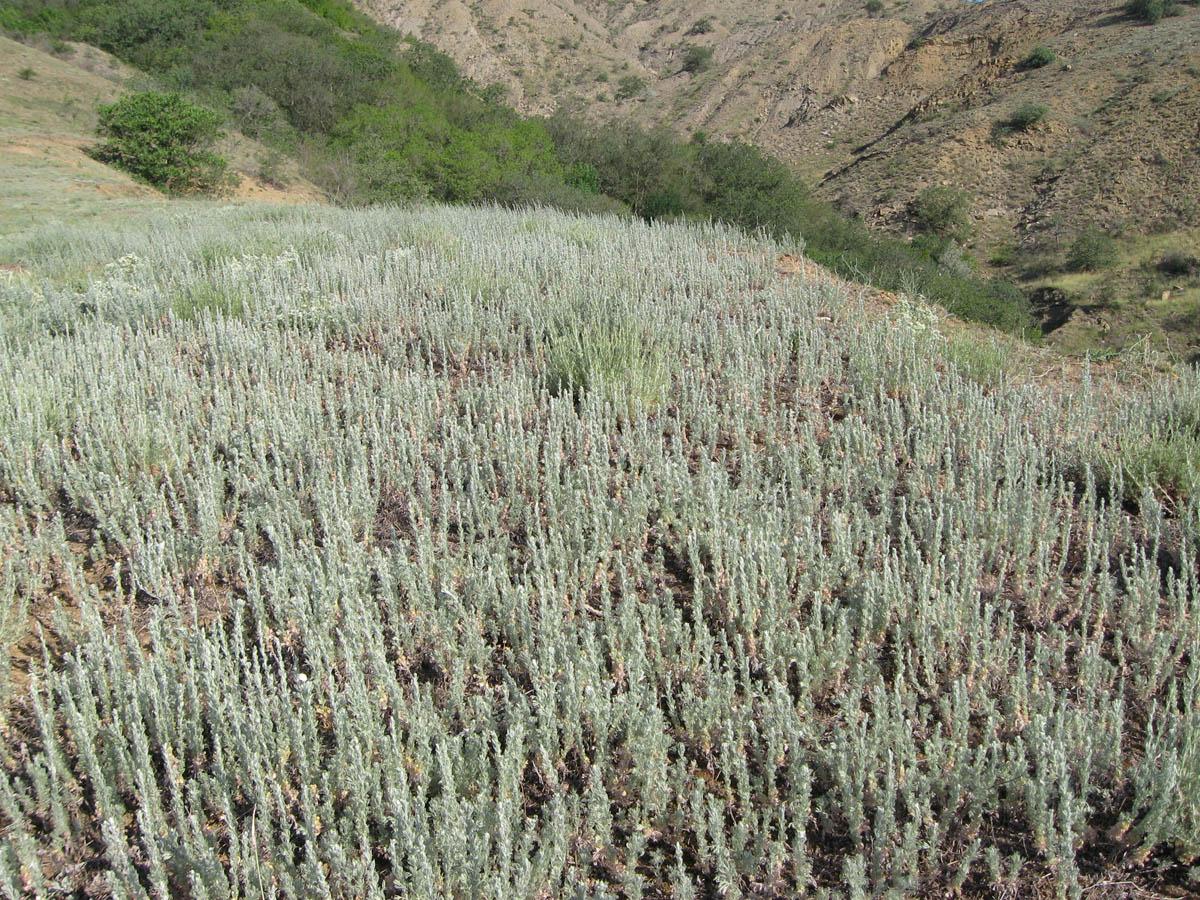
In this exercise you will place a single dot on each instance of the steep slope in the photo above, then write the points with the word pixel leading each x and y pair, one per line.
pixel 47 117
pixel 861 100
pixel 1118 142
pixel 874 108
pixel 47 120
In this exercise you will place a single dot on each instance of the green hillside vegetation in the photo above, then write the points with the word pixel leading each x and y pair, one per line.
pixel 484 553
pixel 377 117
pixel 374 116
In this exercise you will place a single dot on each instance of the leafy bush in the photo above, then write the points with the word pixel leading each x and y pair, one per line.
pixel 701 26
pixel 630 86
pixel 1092 249
pixel 164 139
pixel 1177 262
pixel 697 59
pixel 874 7
pixel 584 176
pixel 1151 11
pixel 1041 55
pixel 943 211
pixel 1026 116
pixel 257 114
pixel 400 152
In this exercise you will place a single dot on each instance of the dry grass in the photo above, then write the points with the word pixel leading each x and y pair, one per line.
pixel 47 120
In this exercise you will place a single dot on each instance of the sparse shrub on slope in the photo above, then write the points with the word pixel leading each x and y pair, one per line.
pixel 943 211
pixel 1039 56
pixel 1026 115
pixel 630 86
pixel 1092 249
pixel 164 139
pixel 697 59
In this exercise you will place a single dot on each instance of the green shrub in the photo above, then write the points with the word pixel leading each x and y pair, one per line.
pixel 164 139
pixel 943 211
pixel 630 86
pixel 1176 262
pixel 874 7
pixel 26 74
pixel 592 349
pixel 190 303
pixel 1092 249
pixel 1003 256
pixel 697 59
pixel 1026 116
pixel 257 115
pixel 584 176
pixel 1165 463
pixel 701 26
pixel 664 204
pixel 1041 55
pixel 1151 11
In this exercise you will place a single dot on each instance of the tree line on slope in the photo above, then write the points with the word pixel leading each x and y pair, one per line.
pixel 378 117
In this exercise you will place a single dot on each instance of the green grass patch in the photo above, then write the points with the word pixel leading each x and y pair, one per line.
pixel 983 360
pixel 198 299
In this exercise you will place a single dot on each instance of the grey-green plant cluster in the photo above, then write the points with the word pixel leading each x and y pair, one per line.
pixel 491 554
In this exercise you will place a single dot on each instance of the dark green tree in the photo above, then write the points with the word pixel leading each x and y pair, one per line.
pixel 164 139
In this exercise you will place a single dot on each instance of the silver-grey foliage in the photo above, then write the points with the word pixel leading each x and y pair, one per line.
pixel 470 553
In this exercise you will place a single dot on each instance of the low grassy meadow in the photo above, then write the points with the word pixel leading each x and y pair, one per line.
pixel 431 553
